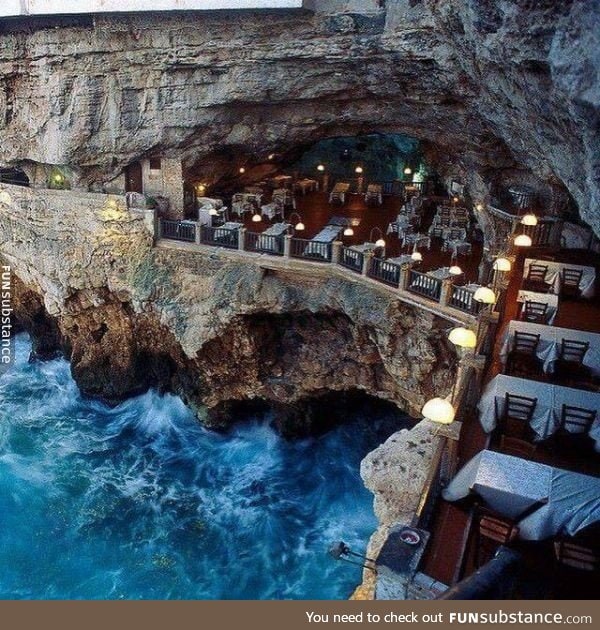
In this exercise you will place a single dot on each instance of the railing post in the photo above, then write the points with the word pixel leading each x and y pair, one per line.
pixel 446 292
pixel 336 252
pixel 158 228
pixel 404 276
pixel 287 246
pixel 242 239
pixel 198 239
pixel 367 263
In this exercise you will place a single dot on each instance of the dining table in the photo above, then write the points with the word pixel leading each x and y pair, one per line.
pixel 554 273
pixel 545 501
pixel 339 191
pixel 551 299
pixel 548 410
pixel 270 239
pixel 319 243
pixel 307 185
pixel 374 193
pixel 549 345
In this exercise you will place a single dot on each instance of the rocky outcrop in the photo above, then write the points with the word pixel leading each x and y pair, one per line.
pixel 498 92
pixel 219 328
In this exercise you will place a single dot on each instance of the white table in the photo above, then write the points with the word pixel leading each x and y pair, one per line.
pixel 272 209
pixel 567 502
pixel 405 259
pixel 374 193
pixel 509 485
pixel 550 399
pixel 307 185
pixel 328 234
pixel 418 240
pixel 550 341
pixel 555 269
pixel 284 197
pixel 273 243
pixel 551 299
pixel 339 192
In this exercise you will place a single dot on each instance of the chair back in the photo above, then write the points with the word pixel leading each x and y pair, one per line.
pixel 516 447
pixel 496 527
pixel 576 419
pixel 519 407
pixel 571 277
pixel 534 312
pixel 526 343
pixel 573 351
pixel 437 232
pixel 455 235
pixel 537 272
pixel 576 556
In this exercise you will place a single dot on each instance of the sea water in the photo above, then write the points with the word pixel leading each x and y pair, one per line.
pixel 139 501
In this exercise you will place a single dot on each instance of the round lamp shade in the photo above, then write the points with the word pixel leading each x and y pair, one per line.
pixel 438 410
pixel 479 207
pixel 271 156
pixel 348 232
pixel 379 243
pixel 408 170
pixel 455 270
pixel 321 167
pixel 463 337
pixel 523 240
pixel 4 197
pixel 502 264
pixel 299 226
pixel 417 256
pixel 358 170
pixel 242 170
pixel 529 219
pixel 484 295
pixel 256 218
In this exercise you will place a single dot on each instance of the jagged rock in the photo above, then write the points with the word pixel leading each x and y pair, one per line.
pixel 498 91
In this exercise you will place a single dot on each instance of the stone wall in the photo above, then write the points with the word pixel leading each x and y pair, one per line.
pixel 167 182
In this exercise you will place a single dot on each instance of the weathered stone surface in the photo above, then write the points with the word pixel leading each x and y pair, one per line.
pixel 508 89
pixel 219 328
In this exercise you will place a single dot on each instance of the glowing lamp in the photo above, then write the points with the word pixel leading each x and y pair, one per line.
pixel 348 231
pixel 455 199
pixel 529 219
pixel 299 226
pixel 321 168
pixel 379 243
pixel 484 295
pixel 479 207
pixel 271 156
pixel 256 218
pixel 408 170
pixel 358 170
pixel 58 178
pixel 242 170
pixel 523 240
pixel 463 337
pixel 438 410
pixel 502 264
pixel 455 270
pixel 213 212
pixel 417 256
pixel 5 197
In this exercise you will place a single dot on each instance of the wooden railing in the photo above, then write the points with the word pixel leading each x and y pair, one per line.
pixel 385 271
pixel 221 236
pixel 178 230
pixel 351 259
pixel 313 250
pixel 263 243
pixel 424 284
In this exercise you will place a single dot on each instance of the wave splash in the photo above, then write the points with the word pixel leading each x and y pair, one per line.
pixel 140 502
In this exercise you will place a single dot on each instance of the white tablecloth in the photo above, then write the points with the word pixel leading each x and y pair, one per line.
pixel 553 275
pixel 328 234
pixel 550 299
pixel 568 502
pixel 307 185
pixel 550 399
pixel 509 485
pixel 339 192
pixel 550 342
pixel 272 244
pixel 418 240
pixel 405 259
pixel 374 192
pixel 271 209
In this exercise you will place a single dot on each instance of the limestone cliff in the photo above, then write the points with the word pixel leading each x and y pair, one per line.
pixel 219 328
pixel 498 91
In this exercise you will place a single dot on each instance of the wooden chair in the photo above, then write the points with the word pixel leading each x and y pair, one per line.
pixel 436 232
pixel 522 359
pixel 516 416
pixel 569 365
pixel 536 279
pixel 516 447
pixel 570 279
pixel 534 312
pixel 576 556
pixel 576 420
pixel 493 530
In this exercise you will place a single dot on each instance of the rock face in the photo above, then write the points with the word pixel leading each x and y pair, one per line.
pixel 219 328
pixel 498 91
